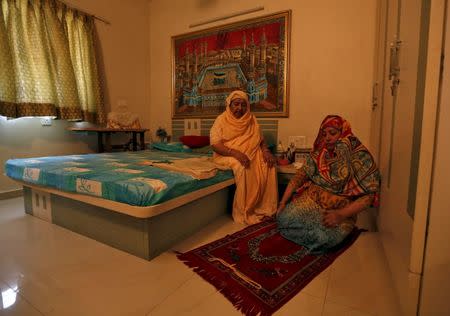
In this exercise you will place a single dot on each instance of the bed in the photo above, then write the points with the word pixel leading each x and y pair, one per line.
pixel 124 199
pixel 140 224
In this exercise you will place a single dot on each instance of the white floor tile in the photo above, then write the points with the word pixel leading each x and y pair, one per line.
pixel 12 304
pixel 186 298
pixel 302 304
pixel 360 279
pixel 57 272
pixel 333 309
pixel 318 286
pixel 122 289
pixel 216 305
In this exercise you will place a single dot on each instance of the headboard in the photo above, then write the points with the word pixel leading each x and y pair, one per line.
pixel 182 127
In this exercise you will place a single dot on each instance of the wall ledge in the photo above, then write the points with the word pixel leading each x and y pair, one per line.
pixel 11 194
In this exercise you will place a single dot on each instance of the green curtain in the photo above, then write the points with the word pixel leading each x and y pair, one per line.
pixel 48 63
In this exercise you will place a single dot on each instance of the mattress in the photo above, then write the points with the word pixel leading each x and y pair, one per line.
pixel 124 177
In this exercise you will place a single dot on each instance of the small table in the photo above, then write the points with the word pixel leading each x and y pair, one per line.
pixel 107 132
pixel 284 175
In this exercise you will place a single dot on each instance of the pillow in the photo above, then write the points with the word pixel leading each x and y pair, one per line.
pixel 193 141
pixel 172 147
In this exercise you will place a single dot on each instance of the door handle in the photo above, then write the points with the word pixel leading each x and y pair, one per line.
pixel 391 61
pixel 394 68
pixel 374 96
pixel 394 86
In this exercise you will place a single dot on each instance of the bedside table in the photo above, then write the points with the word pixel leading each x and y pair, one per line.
pixel 285 173
pixel 106 145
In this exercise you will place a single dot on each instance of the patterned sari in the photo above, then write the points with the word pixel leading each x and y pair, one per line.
pixel 329 180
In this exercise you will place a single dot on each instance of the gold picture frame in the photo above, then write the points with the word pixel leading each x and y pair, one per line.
pixel 250 55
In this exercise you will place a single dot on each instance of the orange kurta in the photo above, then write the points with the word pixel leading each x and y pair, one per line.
pixel 256 193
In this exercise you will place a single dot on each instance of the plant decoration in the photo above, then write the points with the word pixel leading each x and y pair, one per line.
pixel 162 134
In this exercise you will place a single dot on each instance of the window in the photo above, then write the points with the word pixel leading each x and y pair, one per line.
pixel 48 64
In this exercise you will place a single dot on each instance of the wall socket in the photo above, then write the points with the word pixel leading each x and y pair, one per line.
pixel 192 127
pixel 298 141
pixel 46 121
pixel 122 103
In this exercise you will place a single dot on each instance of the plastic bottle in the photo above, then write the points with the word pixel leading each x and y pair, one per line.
pixel 280 149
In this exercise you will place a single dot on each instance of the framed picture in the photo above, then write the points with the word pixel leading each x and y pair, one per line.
pixel 250 55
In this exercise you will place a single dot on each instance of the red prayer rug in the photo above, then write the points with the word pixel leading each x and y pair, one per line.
pixel 257 269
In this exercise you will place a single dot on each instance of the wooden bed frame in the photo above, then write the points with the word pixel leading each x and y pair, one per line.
pixel 141 231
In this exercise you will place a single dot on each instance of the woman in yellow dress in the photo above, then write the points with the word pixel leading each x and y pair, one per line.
pixel 238 143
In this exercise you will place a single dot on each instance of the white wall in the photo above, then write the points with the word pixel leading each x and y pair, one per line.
pixel 332 57
pixel 125 48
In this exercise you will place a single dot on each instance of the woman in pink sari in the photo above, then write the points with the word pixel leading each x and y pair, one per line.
pixel 237 142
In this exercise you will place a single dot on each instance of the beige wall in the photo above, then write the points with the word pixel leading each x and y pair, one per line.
pixel 331 66
pixel 332 57
pixel 25 137
pixel 125 47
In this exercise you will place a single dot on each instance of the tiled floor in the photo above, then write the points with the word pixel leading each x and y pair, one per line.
pixel 48 270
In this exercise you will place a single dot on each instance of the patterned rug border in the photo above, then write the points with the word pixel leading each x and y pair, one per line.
pixel 241 298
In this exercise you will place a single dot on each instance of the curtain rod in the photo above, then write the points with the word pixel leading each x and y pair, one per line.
pixel 224 17
pixel 94 16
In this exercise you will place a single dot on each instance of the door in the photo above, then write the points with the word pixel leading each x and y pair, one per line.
pixel 414 38
pixel 395 221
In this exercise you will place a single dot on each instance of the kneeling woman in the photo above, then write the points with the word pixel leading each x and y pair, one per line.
pixel 338 180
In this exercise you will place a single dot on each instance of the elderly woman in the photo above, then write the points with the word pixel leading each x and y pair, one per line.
pixel 339 180
pixel 237 142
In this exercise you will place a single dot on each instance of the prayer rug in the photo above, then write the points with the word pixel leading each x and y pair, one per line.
pixel 257 269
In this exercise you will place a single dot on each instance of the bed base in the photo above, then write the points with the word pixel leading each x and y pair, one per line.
pixel 142 237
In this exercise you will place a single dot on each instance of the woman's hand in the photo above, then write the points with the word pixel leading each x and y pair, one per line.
pixel 332 218
pixel 269 159
pixel 242 158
